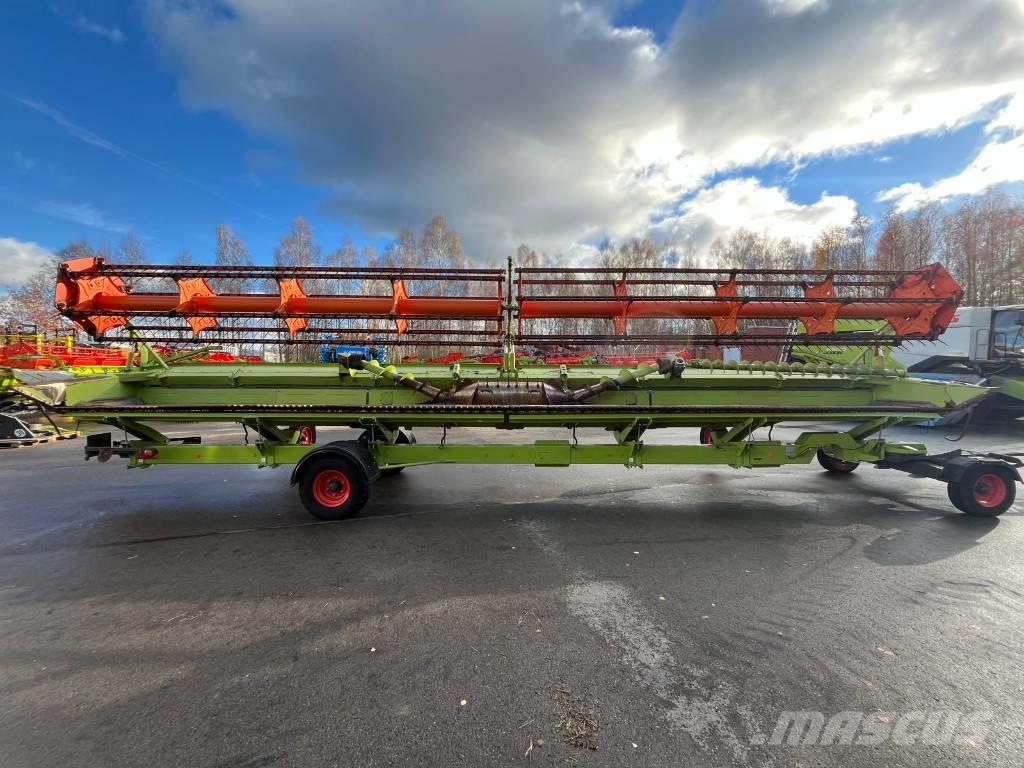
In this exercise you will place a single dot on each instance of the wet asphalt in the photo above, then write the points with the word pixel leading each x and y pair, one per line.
pixel 196 616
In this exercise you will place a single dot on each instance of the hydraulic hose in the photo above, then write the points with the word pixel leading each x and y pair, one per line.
pixel 662 366
pixel 357 363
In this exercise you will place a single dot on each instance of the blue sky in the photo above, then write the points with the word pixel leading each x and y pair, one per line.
pixel 138 117
pixel 123 91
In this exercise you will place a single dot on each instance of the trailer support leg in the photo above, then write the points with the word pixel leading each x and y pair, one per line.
pixel 741 431
pixel 270 432
pixel 142 431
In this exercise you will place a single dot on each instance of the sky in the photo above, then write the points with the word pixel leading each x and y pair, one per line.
pixel 560 124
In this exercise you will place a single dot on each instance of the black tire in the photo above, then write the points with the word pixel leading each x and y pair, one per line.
pixel 402 439
pixel 984 490
pixel 333 488
pixel 307 434
pixel 955 496
pixel 832 464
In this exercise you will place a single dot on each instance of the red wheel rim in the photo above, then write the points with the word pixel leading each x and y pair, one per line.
pixel 306 436
pixel 705 436
pixel 989 490
pixel 331 488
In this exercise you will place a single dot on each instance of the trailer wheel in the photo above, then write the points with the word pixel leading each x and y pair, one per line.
pixel 955 496
pixel 832 464
pixel 307 435
pixel 983 490
pixel 333 488
pixel 402 439
pixel 706 436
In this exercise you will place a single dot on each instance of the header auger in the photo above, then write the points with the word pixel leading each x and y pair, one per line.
pixel 728 402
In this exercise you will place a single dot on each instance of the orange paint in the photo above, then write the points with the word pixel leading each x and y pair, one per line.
pixel 100 301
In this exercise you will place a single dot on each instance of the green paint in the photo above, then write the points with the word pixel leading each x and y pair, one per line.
pixel 1011 386
pixel 736 400
pixel 548 453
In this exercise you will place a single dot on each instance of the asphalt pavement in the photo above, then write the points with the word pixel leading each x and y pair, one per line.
pixel 506 616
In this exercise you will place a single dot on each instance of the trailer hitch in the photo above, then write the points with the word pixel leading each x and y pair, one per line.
pixel 950 466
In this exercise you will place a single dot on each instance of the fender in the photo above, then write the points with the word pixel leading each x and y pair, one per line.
pixel 352 450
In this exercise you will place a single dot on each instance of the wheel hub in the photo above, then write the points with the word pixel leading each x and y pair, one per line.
pixel 331 488
pixel 989 490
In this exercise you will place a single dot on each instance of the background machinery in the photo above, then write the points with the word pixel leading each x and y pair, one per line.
pixel 736 404
pixel 983 345
pixel 332 353
pixel 33 357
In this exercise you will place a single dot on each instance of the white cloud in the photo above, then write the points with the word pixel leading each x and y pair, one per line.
pixel 1011 117
pixel 877 118
pixel 745 204
pixel 113 34
pixel 545 123
pixel 80 133
pixel 89 26
pixel 581 254
pixel 84 214
pixel 1000 161
pixel 20 259
pixel 794 6
pixel 845 77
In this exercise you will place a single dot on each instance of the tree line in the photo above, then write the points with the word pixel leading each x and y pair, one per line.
pixel 980 241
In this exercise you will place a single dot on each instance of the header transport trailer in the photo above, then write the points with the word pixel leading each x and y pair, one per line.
pixel 733 403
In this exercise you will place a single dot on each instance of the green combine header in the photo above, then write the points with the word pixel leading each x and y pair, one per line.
pixel 734 404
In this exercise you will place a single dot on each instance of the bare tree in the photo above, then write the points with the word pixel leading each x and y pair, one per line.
pixel 104 251
pixel 403 252
pixel 981 242
pixel 32 302
pixel 298 247
pixel 231 252
pixel 370 256
pixel 828 248
pixel 892 250
pixel 130 250
pixel 855 254
pixel 345 256
pixel 440 247
pixel 924 235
